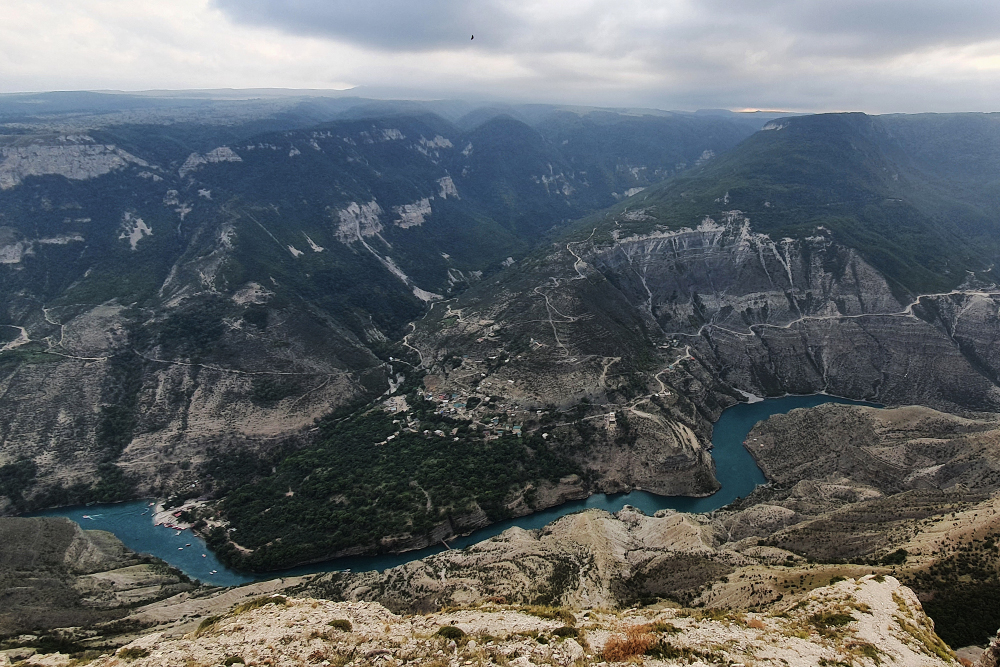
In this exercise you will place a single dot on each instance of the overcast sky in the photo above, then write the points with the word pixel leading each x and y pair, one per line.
pixel 807 55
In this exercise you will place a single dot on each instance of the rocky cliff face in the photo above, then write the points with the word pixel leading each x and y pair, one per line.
pixel 55 575
pixel 666 326
pixel 76 157
pixel 179 286
pixel 991 656
pixel 808 315
pixel 725 274
pixel 888 450
pixel 796 316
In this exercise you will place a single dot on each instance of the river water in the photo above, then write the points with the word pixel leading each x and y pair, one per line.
pixel 734 467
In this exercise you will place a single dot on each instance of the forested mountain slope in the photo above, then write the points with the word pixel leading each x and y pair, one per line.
pixel 795 263
pixel 180 273
pixel 776 262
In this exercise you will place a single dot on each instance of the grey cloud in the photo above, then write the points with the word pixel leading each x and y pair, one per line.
pixel 847 28
pixel 860 28
pixel 392 25
pixel 918 21
pixel 797 54
pixel 871 55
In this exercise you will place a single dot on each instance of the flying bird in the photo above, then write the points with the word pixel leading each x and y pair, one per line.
pixel 473 37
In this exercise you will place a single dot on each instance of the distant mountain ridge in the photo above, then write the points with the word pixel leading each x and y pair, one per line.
pixel 185 272
pixel 839 215
pixel 913 193
pixel 805 260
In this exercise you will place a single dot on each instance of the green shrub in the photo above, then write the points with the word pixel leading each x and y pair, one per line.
pixel 259 602
pixel 867 650
pixel 269 389
pixel 256 315
pixel 207 623
pixel 664 650
pixel 897 557
pixel 341 624
pixel 132 653
pixel 16 478
pixel 663 626
pixel 713 614
pixel 553 613
pixel 829 619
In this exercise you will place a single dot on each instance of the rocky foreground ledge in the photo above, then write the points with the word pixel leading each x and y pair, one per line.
pixel 868 621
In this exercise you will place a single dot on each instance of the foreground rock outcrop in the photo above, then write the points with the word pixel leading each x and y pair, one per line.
pixel 738 558
pixel 591 558
pixel 991 656
pixel 867 621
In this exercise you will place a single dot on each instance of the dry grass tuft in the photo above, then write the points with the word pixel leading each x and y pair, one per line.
pixel 636 642
pixel 257 603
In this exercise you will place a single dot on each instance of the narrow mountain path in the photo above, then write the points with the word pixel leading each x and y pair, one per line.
pixel 413 329
pixel 73 356
pixel 579 260
pixel 313 390
pixel 406 342
pixel 49 320
pixel 905 313
pixel 608 363
pixel 220 369
pixel 555 332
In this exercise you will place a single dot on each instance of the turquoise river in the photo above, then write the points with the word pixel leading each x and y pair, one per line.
pixel 734 468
